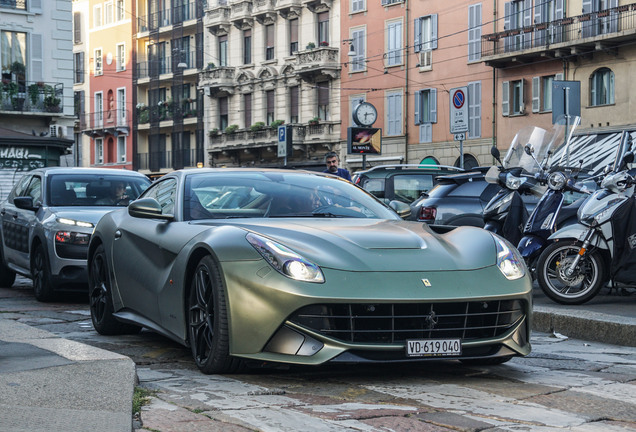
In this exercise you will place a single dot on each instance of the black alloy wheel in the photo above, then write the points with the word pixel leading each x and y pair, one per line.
pixel 100 298
pixel 207 321
pixel 42 286
pixel 7 276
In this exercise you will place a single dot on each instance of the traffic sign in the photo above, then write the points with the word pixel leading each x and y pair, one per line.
pixel 460 136
pixel 284 141
pixel 459 110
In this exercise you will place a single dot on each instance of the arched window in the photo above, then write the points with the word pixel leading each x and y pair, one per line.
pixel 470 162
pixel 429 160
pixel 602 87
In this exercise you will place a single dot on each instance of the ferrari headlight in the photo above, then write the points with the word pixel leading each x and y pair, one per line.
pixel 514 182
pixel 286 261
pixel 509 260
pixel 73 222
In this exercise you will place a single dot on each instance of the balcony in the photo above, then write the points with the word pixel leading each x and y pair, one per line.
pixel 316 62
pixel 317 5
pixel 166 111
pixel 167 18
pixel 289 8
pixel 241 14
pixel 218 81
pixel 580 35
pixel 217 19
pixel 176 159
pixel 102 123
pixel 264 11
pixel 21 97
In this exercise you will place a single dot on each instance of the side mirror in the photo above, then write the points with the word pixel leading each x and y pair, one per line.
pixel 402 209
pixel 25 203
pixel 494 151
pixel 529 149
pixel 147 208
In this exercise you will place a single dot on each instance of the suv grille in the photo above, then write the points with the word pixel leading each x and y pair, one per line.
pixel 397 322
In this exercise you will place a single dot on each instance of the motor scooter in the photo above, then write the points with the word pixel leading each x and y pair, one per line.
pixel 506 213
pixel 601 246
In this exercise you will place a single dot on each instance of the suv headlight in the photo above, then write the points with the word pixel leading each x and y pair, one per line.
pixel 286 261
pixel 509 260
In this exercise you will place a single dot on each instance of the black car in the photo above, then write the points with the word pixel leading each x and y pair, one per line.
pixel 459 199
pixel 404 182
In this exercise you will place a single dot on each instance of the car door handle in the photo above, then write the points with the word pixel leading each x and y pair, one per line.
pixel 117 234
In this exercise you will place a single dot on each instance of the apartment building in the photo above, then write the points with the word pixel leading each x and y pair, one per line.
pixel 590 42
pixel 36 93
pixel 267 63
pixel 167 56
pixel 407 56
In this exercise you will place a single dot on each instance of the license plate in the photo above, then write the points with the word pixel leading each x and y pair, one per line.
pixel 433 347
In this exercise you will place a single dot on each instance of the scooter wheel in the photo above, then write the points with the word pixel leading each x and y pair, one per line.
pixel 576 288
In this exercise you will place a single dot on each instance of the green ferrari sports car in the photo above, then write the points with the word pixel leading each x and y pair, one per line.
pixel 298 267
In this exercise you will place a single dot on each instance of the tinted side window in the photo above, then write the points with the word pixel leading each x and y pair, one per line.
pixel 374 186
pixel 165 192
pixel 34 190
pixel 409 187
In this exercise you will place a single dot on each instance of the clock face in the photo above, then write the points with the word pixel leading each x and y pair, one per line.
pixel 365 114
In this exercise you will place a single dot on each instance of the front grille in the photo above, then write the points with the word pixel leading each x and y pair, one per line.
pixel 397 322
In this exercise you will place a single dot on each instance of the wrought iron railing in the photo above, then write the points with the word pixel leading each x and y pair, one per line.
pixel 167 17
pixel 25 96
pixel 106 119
pixel 176 159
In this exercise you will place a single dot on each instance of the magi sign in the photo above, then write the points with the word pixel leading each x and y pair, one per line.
pixel 22 158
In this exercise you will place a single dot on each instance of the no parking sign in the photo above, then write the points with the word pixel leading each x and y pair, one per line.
pixel 459 110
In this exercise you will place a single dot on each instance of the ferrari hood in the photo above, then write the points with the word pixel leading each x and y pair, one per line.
pixel 372 245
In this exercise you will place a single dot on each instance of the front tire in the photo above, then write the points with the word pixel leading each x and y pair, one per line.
pixel 101 300
pixel 578 288
pixel 42 285
pixel 7 276
pixel 207 321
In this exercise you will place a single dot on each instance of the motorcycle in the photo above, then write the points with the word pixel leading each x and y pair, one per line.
pixel 600 247
pixel 558 206
pixel 506 213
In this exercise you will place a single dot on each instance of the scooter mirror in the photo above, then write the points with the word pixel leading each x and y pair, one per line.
pixel 529 149
pixel 494 151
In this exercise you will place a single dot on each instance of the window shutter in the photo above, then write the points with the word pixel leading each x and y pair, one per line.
pixel 417 33
pixel 77 27
pixel 474 32
pixel 527 22
pixel 505 98
pixel 417 106
pixel 36 57
pixel 522 101
pixel 433 44
pixel 558 9
pixel 536 94
pixel 426 133
pixel 588 26
pixel 474 109
pixel 507 24
pixel 433 105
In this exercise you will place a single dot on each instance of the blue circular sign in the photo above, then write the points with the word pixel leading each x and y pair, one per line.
pixel 458 99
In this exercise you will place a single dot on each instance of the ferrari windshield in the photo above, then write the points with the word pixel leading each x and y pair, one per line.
pixel 235 194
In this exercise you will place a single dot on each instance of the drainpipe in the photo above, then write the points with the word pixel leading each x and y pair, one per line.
pixel 494 81
pixel 406 87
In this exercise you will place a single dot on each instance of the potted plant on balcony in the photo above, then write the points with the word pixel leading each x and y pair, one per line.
pixel 276 123
pixel 324 44
pixel 310 45
pixel 231 129
pixel 34 93
pixel 214 132
pixel 257 126
pixel 52 103
pixel 210 66
pixel 314 121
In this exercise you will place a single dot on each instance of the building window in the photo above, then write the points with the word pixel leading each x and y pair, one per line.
pixel 121 57
pixel 99 110
pixel 293 36
pixel 99 151
pixel 247 46
pixel 394 113
pixel 223 50
pixel 223 113
pixel 542 92
pixel 547 12
pixel 425 108
pixel 269 42
pixel 108 13
pixel 358 38
pixel 602 87
pixel 120 10
pixel 13 50
pixel 121 148
pixel 323 28
pixel 98 62
pixel 394 44
pixel 77 27
pixel 294 98
pixel 474 32
pixel 78 66
pixel 323 100
pixel 357 6
pixel 247 109
pixel 474 109
pixel 121 106
pixel 517 15
pixel 97 16
pixel 269 106
pixel 354 102
pixel 512 98
pixel 425 33
pixel 600 25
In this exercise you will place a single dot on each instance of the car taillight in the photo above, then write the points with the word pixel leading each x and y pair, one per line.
pixel 69 237
pixel 427 214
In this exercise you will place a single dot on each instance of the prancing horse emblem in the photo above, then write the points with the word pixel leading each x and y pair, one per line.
pixel 426 282
pixel 431 320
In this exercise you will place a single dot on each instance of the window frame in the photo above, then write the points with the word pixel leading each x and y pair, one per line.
pixel 120 58
pixel 394 43
pixel 358 42
pixel 99 151
pixel 98 62
pixel 609 94
pixel 393 123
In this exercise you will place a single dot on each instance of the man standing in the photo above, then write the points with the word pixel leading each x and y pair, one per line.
pixel 331 159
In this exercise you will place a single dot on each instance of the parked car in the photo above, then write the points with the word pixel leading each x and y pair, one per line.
pixel 459 199
pixel 309 269
pixel 48 219
pixel 404 182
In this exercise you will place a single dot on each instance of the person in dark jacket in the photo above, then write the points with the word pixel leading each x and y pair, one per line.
pixel 332 160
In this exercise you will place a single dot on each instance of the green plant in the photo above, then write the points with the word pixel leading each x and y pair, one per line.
pixel 211 65
pixel 52 103
pixel 276 123
pixel 213 132
pixel 34 93
pixel 141 397
pixel 314 120
pixel 311 45
pixel 257 126
pixel 231 129
pixel 18 68
pixel 143 116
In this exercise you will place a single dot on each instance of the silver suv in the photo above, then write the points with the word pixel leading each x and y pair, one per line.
pixel 48 219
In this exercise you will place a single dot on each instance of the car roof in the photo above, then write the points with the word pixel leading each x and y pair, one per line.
pixel 380 170
pixel 81 170
pixel 461 177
